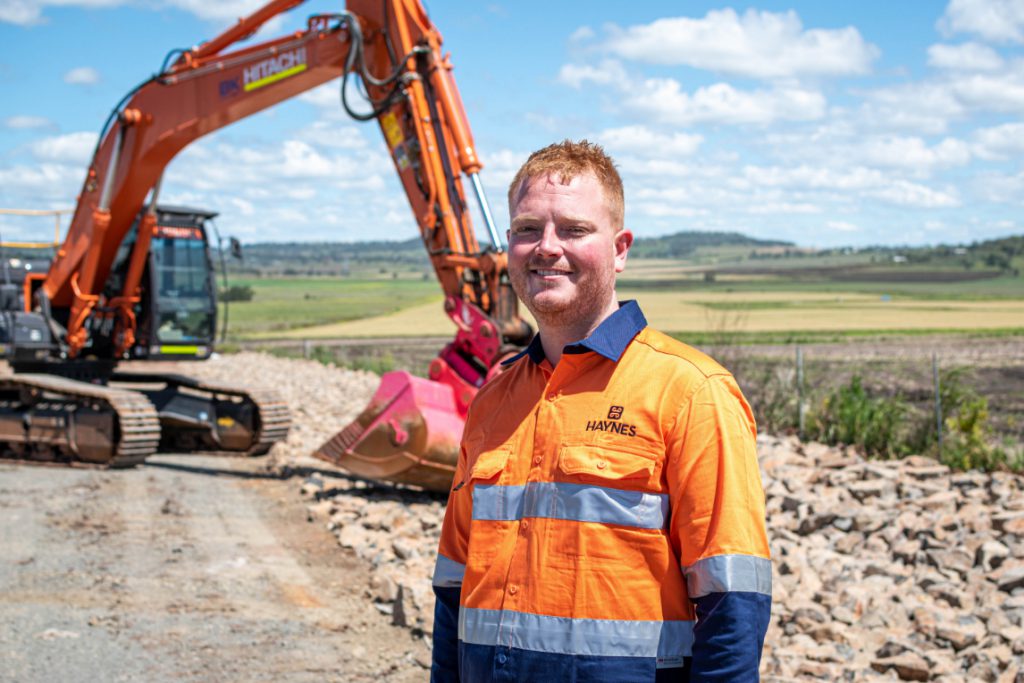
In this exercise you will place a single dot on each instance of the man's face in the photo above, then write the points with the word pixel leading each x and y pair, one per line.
pixel 564 250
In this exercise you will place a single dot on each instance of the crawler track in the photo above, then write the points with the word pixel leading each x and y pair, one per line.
pixel 272 418
pixel 136 426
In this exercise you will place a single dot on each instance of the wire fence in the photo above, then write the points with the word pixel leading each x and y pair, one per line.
pixel 958 398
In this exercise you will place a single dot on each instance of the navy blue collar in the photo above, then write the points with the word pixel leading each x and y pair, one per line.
pixel 610 339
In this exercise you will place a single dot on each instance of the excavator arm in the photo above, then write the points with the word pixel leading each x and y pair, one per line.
pixel 395 51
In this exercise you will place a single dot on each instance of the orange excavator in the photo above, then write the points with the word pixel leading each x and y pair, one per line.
pixel 126 259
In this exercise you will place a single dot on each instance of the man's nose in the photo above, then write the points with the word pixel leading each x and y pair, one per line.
pixel 549 244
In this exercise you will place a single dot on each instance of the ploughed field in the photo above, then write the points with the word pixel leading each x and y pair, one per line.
pixel 282 568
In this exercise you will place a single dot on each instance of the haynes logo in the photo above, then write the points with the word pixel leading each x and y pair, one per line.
pixel 612 424
pixel 274 69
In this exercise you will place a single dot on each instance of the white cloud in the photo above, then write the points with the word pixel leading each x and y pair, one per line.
pixel 656 168
pixel 998 21
pixel 805 176
pixel 929 107
pixel 30 12
pixel 643 141
pixel 27 122
pixel 856 182
pixel 663 100
pixel 1000 142
pixel 964 57
pixel 83 75
pixel 761 208
pixel 914 153
pixel 608 72
pixel 924 107
pixel 906 193
pixel 20 12
pixel 757 44
pixel 581 34
pixel 222 10
pixel 1003 92
pixel 999 188
pixel 30 186
pixel 72 148
pixel 293 189
pixel 841 226
pixel 326 96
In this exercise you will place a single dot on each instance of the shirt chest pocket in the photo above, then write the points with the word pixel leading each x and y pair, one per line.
pixel 490 463
pixel 487 466
pixel 609 466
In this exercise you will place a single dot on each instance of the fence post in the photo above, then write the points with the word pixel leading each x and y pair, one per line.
pixel 938 400
pixel 307 349
pixel 801 407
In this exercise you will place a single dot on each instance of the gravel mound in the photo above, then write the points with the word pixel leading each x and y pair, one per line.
pixel 322 398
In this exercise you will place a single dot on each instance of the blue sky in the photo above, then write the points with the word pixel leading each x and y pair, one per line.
pixel 822 123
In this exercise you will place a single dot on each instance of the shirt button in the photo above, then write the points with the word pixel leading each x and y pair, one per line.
pixel 537 460
pixel 513 589
pixel 526 524
pixel 502 658
pixel 601 464
pixel 552 396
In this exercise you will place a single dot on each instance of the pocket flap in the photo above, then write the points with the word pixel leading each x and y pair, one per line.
pixel 604 462
pixel 490 463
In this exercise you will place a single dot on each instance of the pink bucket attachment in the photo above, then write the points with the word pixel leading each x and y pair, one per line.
pixel 409 434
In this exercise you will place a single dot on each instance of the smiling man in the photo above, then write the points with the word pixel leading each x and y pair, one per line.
pixel 606 520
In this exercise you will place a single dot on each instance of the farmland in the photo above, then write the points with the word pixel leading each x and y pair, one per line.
pixel 710 293
pixel 878 317
pixel 697 284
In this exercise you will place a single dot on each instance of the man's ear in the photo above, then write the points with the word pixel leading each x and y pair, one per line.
pixel 623 241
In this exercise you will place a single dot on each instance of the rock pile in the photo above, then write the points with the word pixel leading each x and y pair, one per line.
pixel 896 570
pixel 892 570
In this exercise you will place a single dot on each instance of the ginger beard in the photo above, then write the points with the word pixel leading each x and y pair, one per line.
pixel 564 252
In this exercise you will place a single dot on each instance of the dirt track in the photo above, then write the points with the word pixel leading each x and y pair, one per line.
pixel 186 569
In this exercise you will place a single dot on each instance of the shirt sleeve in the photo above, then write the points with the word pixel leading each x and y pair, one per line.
pixel 448 573
pixel 718 530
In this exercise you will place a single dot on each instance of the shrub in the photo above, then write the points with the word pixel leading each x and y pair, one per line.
pixel 237 293
pixel 874 424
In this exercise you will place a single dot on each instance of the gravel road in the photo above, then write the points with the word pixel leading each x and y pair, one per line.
pixel 185 569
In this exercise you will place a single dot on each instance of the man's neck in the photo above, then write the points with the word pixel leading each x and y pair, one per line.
pixel 554 336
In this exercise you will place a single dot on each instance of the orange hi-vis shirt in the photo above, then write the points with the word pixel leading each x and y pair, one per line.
pixel 606 520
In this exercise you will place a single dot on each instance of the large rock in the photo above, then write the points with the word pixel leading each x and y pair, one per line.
pixel 908 666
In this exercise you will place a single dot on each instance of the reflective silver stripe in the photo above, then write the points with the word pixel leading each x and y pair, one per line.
pixel 448 573
pixel 578 502
pixel 668 641
pixel 725 573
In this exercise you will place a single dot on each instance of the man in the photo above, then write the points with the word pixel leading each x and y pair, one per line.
pixel 606 521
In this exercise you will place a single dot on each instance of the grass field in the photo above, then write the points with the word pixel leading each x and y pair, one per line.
pixel 412 311
pixel 771 302
pixel 280 305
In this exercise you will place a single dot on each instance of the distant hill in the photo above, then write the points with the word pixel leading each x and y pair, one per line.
pixel 683 244
pixel 327 257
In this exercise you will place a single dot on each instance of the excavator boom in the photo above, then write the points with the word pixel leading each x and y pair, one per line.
pixel 394 50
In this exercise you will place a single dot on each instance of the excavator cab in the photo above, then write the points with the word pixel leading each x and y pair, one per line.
pixel 177 313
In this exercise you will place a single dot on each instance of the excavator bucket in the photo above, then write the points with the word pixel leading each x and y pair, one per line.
pixel 409 434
